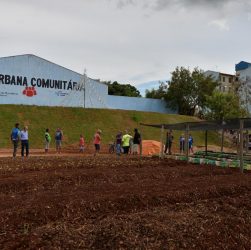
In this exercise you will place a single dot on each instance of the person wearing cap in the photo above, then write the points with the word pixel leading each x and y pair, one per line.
pixel 15 137
pixel 24 141
pixel 97 141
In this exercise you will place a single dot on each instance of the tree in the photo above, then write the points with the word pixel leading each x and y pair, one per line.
pixel 157 93
pixel 116 88
pixel 223 106
pixel 188 90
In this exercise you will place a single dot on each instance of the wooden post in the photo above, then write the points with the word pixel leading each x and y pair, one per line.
pixel 222 140
pixel 187 144
pixel 238 144
pixel 247 141
pixel 162 143
pixel 141 142
pixel 241 145
pixel 206 143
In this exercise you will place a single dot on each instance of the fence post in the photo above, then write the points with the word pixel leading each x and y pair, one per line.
pixel 241 145
pixel 206 142
pixel 141 142
pixel 162 142
pixel 187 143
pixel 222 140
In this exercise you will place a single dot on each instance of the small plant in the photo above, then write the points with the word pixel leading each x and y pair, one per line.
pixel 135 118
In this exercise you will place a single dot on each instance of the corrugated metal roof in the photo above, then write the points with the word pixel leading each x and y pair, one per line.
pixel 233 124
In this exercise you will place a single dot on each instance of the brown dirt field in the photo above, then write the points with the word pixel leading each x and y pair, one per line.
pixel 122 203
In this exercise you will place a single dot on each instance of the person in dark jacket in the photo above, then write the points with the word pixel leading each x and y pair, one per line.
pixel 169 142
pixel 136 142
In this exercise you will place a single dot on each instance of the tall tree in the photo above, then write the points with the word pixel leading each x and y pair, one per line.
pixel 188 90
pixel 116 88
pixel 223 106
pixel 157 93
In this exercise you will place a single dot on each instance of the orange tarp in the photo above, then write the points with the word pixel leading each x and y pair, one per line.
pixel 150 147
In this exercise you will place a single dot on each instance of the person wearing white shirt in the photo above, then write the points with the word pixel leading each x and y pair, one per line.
pixel 24 136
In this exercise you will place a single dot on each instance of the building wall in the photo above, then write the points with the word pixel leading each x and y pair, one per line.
pixel 139 104
pixel 244 77
pixel 36 70
pixel 31 80
pixel 226 81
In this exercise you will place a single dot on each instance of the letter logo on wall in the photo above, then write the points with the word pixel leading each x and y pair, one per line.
pixel 29 91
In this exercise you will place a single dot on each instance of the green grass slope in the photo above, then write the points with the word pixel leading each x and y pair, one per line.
pixel 75 121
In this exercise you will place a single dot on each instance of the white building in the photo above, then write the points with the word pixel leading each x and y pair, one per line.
pixel 243 73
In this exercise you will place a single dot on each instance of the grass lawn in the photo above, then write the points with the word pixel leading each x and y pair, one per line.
pixel 75 121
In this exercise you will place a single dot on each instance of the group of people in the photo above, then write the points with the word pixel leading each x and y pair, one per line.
pixel 16 136
pixel 124 142
pixel 182 143
pixel 21 135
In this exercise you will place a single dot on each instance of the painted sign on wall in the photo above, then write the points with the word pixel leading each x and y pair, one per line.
pixel 31 80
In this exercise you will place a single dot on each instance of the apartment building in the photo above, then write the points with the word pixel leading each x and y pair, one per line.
pixel 227 82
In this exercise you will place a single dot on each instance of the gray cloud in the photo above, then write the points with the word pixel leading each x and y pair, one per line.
pixel 159 5
pixel 114 40
pixel 162 4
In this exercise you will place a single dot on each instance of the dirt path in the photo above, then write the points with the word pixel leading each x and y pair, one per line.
pixel 122 203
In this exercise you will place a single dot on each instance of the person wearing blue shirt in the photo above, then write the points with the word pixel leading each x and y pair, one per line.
pixel 15 137
pixel 58 139
pixel 190 143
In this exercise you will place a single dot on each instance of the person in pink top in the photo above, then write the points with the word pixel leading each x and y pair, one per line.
pixel 97 141
pixel 81 144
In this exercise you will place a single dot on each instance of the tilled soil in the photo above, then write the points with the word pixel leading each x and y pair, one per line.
pixel 106 202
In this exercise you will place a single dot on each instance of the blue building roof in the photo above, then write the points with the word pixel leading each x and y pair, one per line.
pixel 242 65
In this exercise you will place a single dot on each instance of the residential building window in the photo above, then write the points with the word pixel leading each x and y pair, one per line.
pixel 230 80
pixel 223 78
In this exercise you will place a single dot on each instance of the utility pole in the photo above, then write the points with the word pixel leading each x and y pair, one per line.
pixel 85 76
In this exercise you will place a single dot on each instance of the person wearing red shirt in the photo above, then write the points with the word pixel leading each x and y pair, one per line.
pixel 97 141
pixel 81 144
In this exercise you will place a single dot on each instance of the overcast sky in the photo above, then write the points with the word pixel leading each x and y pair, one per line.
pixel 131 41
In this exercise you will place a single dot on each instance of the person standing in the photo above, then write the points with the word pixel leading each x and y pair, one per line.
pixel 15 137
pixel 81 144
pixel 182 144
pixel 24 141
pixel 126 142
pixel 47 140
pixel 190 143
pixel 118 143
pixel 97 141
pixel 169 142
pixel 136 142
pixel 58 139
